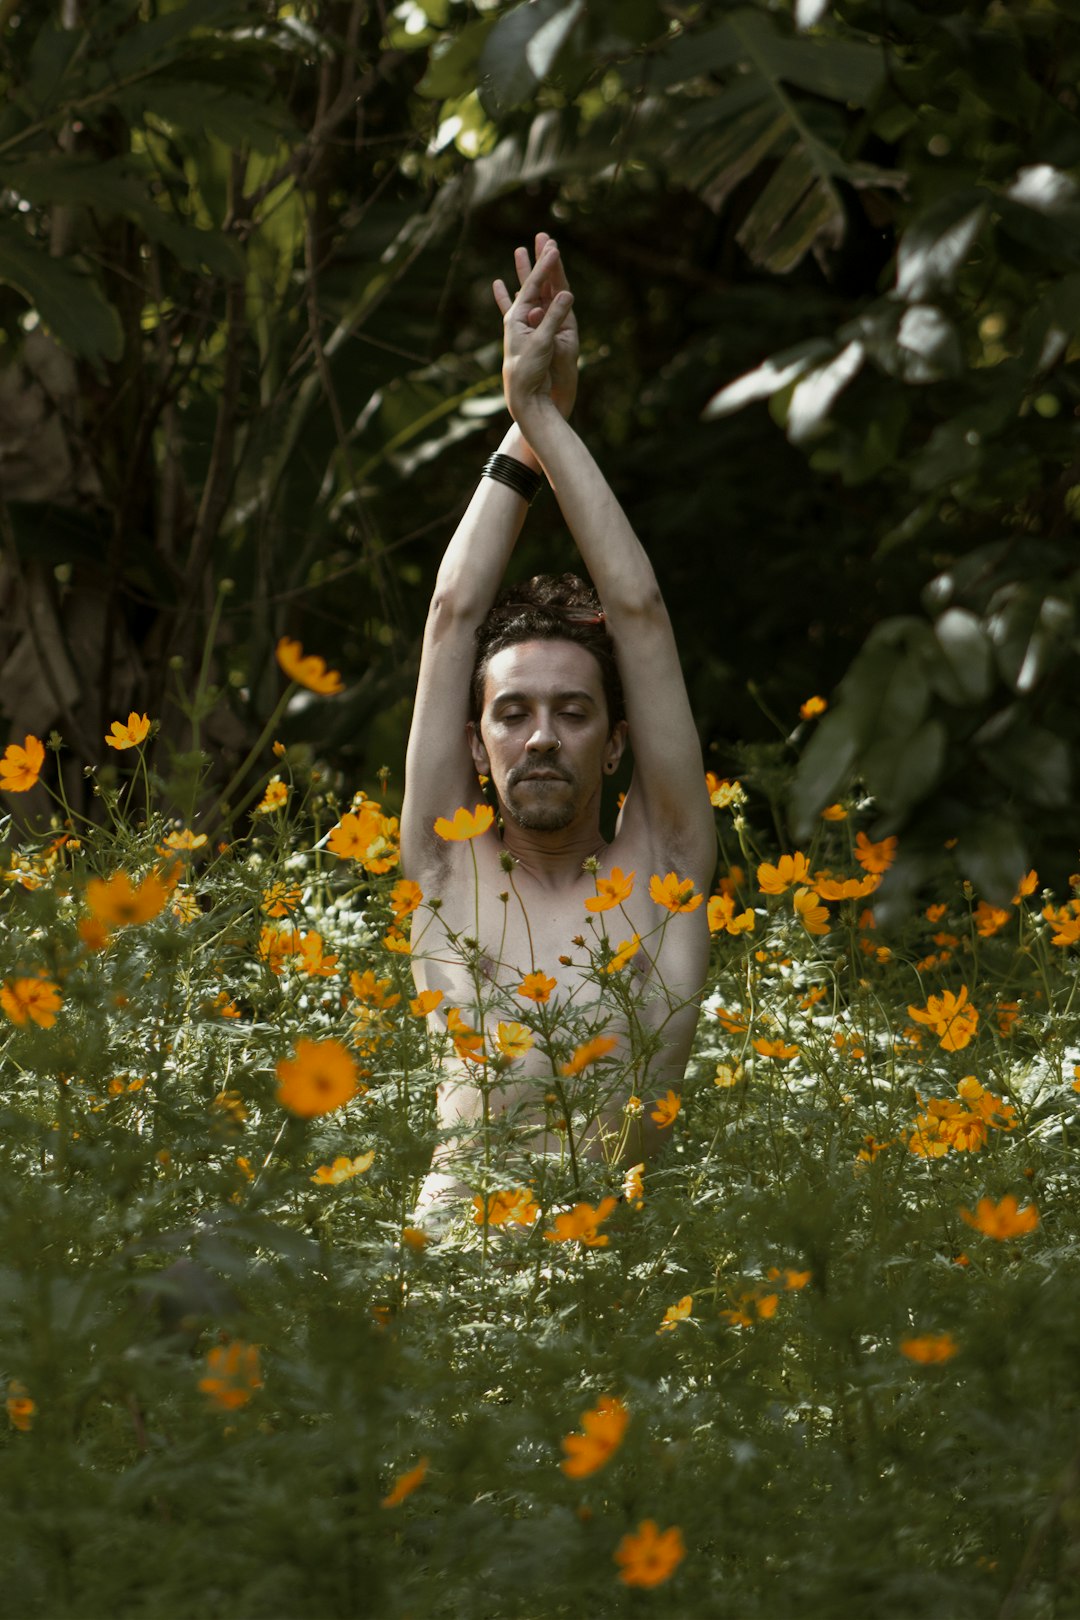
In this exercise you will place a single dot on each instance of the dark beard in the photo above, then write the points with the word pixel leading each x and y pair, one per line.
pixel 538 817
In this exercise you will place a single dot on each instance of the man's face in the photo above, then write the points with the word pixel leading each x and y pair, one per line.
pixel 543 735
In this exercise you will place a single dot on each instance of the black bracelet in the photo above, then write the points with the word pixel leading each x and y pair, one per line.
pixel 505 470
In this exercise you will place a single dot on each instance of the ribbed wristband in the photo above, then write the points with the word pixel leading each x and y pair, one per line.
pixel 505 470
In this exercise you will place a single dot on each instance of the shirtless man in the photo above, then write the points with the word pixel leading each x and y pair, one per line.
pixel 535 716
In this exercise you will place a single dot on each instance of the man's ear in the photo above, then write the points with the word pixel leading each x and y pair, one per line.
pixel 616 743
pixel 477 749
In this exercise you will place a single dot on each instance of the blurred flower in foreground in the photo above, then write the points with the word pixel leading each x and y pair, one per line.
pixel 321 1077
pixel 512 1206
pixel 581 1223
pixel 604 1426
pixel 1002 1220
pixel 343 1169
pixel 309 671
pixel 32 1000
pixel 874 857
pixel 232 1374
pixel 929 1348
pixel 812 707
pixel 131 734
pixel 118 902
pixel 589 1052
pixel 274 797
pixel 676 1314
pixel 648 1555
pixel 20 1407
pixel 20 766
pixel 405 1484
pixel 666 1109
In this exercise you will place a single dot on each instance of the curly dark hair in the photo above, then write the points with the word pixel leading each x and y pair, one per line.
pixel 549 607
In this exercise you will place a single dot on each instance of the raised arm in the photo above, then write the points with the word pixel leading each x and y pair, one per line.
pixel 667 797
pixel 439 773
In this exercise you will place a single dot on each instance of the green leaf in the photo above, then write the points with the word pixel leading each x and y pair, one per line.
pixel 825 768
pixel 992 853
pixel 816 392
pixel 936 244
pixel 901 774
pixel 1033 762
pixel 68 299
pixel 963 673
pixel 779 371
pixel 506 77
pixel 452 64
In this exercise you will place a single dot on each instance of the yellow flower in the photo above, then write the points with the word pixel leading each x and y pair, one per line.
pixel 834 812
pixel 812 707
pixel 830 888
pixel 724 919
pixel 184 840
pixel 372 992
pixel 414 1238
pixel 724 794
pixel 604 1426
pixel 20 767
pixel 648 1555
pixel 20 1407
pixel 950 1016
pixel 312 959
pixel 232 1374
pixel 321 1077
pixel 788 871
pixel 129 735
pixel 535 987
pixel 32 1000
pixel 874 857
pixel 514 1205
pixel 812 915
pixel 870 1149
pixel 513 1039
pixel 275 944
pixel 581 1224
pixel 425 1002
pixel 310 671
pixel 280 900
pixel 274 796
pixel 342 1169
pixel 676 1314
pixel 611 891
pixel 466 824
pixel 117 902
pixel 734 1023
pixel 780 1050
pixel 405 896
pixel 666 1110
pixel 589 1052
pixel 675 894
pixel 633 1186
pixel 928 1349
pixel 989 919
pixel 1027 885
pixel 405 1484
pixel 726 1075
pixel 1002 1220
pixel 625 952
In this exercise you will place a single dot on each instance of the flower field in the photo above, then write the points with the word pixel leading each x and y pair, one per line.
pixel 818 1357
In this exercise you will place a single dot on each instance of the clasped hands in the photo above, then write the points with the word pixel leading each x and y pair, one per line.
pixel 540 336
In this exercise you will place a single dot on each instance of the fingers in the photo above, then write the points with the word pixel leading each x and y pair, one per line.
pixel 522 265
pixel 502 296
pixel 560 307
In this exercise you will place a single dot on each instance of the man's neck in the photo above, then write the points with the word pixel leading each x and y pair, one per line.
pixel 554 860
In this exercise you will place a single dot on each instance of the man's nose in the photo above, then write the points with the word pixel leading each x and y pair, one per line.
pixel 543 739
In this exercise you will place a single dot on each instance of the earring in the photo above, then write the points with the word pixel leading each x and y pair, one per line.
pixel 610 766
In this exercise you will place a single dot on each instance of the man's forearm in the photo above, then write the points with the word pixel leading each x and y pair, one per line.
pixel 475 560
pixel 610 550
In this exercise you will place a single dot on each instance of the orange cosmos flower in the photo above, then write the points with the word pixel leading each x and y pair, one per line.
pixel 184 840
pixel 20 1407
pixel 793 1280
pixel 319 1078
pixel 32 1000
pixel 1027 885
pixel 468 1042
pixel 625 952
pixel 466 824
pixel 812 708
pixel 535 987
pixel 405 896
pixel 405 1484
pixel 1003 1220
pixel 424 1003
pixel 274 796
pixel 279 900
pixel 874 857
pixel 372 992
pixel 723 918
pixel 116 901
pixel 830 888
pixel 359 835
pixel 834 812
pixel 332 1175
pixel 581 1224
pixel 751 1308
pixel 989 919
pixel 812 915
pixel 414 1238
pixel 129 735
pixel 232 1374
pixel 780 1050
pixel 514 1205
pixel 21 767
pixel 788 871
pixel 724 794
pixel 311 958
pixel 951 1018
pixel 928 1349
pixel 1066 921
pixel 676 1314
pixel 611 891
pixel 648 1555
pixel 666 1110
pixel 633 1186
pixel 604 1426
pixel 675 894
pixel 589 1052
pixel 513 1039
pixel 307 671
